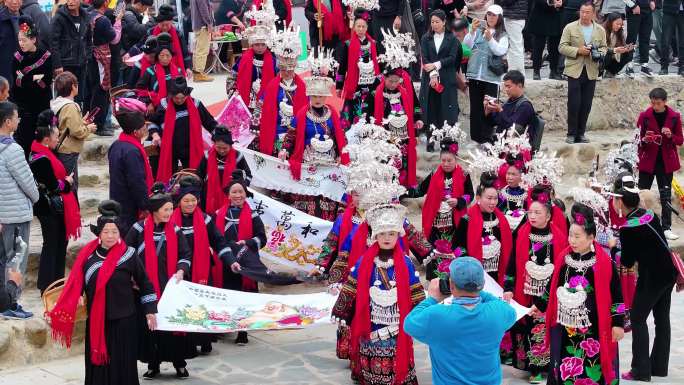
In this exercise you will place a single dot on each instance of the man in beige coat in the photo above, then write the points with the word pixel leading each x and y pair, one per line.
pixel 583 44
pixel 74 129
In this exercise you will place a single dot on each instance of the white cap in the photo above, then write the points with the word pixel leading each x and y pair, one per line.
pixel 495 9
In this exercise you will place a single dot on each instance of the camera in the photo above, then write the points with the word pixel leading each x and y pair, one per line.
pixel 596 55
pixel 444 286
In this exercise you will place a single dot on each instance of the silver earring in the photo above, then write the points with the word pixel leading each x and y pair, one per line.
pixel 592 247
pixel 620 212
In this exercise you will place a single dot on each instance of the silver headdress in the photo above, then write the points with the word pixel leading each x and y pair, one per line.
pixel 323 65
pixel 386 217
pixel 543 169
pixel 448 133
pixel 264 19
pixel 367 5
pixel 510 142
pixel 399 51
pixel 593 200
pixel 619 160
pixel 287 46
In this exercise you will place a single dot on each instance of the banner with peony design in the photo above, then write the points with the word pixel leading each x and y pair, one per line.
pixel 194 308
pixel 294 238
pixel 272 173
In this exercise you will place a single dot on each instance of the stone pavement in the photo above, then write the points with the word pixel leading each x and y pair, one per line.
pixel 301 357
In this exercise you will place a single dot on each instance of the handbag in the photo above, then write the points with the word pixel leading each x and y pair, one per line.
pixel 497 65
pixel 676 261
pixel 51 296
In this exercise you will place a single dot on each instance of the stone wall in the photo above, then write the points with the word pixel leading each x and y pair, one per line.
pixel 617 102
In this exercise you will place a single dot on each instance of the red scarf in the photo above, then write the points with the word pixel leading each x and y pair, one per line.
pixel 333 22
pixel 288 8
pixel 200 252
pixel 435 195
pixel 522 255
pixel 215 183
pixel 151 257
pixel 175 47
pixel 616 221
pixel 558 219
pixel 270 116
pixel 72 212
pixel 244 233
pixel 340 141
pixel 352 78
pixel 144 64
pixel 159 72
pixel 475 238
pixel 246 69
pixel 361 325
pixel 359 245
pixel 127 138
pixel 603 272
pixel 62 317
pixel 407 103
pixel 196 145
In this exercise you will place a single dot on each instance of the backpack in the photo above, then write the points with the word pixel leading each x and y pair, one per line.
pixel 536 127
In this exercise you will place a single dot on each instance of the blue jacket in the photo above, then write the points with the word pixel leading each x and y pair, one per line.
pixel 459 338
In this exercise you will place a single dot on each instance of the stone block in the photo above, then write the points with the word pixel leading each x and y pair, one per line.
pixel 35 331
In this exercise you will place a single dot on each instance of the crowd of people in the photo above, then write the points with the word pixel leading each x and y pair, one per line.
pixel 178 204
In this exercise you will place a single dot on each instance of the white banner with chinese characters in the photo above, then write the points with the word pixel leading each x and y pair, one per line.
pixel 190 307
pixel 274 174
pixel 294 238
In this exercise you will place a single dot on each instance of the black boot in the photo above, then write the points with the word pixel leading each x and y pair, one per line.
pixel 536 75
pixel 151 373
pixel 182 373
pixel 242 339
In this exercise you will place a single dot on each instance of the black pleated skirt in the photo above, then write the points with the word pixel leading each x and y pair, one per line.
pixel 122 347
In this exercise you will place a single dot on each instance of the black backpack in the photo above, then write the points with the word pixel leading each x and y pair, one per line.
pixel 536 127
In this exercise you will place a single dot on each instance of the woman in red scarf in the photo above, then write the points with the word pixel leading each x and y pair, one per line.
pixel 317 139
pixel 284 95
pixel 245 233
pixel 395 101
pixel 164 19
pixel 448 191
pixel 255 69
pixel 216 169
pixel 484 232
pixel 207 244
pixel 357 76
pixel 114 282
pixel 162 248
pixel 57 209
pixel 585 313
pixel 157 77
pixel 538 245
pixel 380 291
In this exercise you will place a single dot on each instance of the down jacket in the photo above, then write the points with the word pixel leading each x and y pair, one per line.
pixel 19 191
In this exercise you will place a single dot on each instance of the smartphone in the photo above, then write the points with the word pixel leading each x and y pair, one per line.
pixel 90 116
pixel 444 286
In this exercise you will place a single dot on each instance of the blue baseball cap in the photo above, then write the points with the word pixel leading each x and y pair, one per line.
pixel 467 274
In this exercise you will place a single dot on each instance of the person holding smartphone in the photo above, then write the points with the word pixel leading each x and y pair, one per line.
pixel 617 57
pixel 73 127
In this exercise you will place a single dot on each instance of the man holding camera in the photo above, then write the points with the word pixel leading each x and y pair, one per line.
pixel 583 44
pixel 463 334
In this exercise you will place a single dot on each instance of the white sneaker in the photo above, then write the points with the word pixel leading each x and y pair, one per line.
pixel 670 235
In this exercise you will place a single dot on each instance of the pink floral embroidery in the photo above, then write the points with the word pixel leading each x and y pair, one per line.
pixel 443 246
pixel 520 354
pixel 571 367
pixel 584 381
pixel 539 349
pixel 507 342
pixel 578 280
pixel 537 246
pixel 590 346
pixel 443 266
pixel 538 328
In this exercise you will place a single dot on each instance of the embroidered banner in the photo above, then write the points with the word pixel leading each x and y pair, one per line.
pixel 274 174
pixel 190 307
pixel 295 238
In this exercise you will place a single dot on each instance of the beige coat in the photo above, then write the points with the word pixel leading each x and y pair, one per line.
pixel 570 42
pixel 70 118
